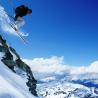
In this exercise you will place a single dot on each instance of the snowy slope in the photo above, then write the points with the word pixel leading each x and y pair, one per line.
pixel 16 78
pixel 11 84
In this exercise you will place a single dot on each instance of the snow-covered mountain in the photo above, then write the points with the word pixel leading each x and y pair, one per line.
pixel 84 86
pixel 16 78
pixel 62 89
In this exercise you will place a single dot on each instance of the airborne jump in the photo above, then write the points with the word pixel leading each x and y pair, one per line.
pixel 21 11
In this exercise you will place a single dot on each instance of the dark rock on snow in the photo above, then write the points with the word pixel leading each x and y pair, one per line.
pixel 15 62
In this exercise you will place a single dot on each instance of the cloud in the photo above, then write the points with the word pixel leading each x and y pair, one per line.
pixel 53 64
pixel 56 64
pixel 92 68
pixel 47 69
pixel 4 23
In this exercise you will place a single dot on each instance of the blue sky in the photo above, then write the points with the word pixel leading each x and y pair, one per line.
pixel 66 28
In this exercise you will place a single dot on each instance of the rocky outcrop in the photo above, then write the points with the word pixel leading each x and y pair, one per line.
pixel 13 61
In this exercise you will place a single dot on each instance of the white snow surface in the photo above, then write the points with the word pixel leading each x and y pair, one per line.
pixel 11 84
pixel 61 89
pixel 14 56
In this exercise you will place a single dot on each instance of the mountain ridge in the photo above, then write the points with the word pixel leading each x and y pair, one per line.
pixel 13 61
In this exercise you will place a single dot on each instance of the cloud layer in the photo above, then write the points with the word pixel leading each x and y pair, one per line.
pixel 55 65
pixel 47 65
pixel 92 68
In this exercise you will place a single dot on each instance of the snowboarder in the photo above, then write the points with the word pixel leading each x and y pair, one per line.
pixel 21 11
